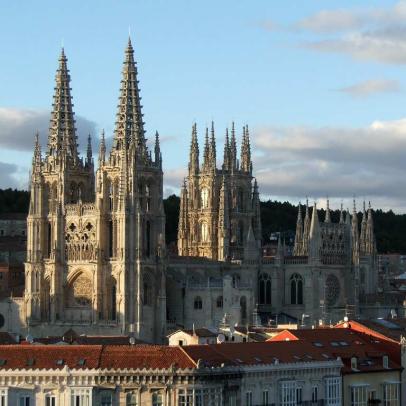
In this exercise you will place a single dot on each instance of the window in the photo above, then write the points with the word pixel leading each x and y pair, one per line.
pixel 180 343
pixel 265 289
pixel 202 397
pixel 265 398
pixel 219 302
pixel 333 391
pixel 299 392
pixel 390 394
pixel 50 400
pixel 353 363
pixel 385 361
pixel 132 399
pixel 248 398
pixel 204 232
pixel 106 398
pixel 157 399
pixel 296 289
pixel 205 198
pixel 198 304
pixel 3 397
pixel 288 393
pixel 80 397
pixel 185 397
pixel 315 394
pixel 232 399
pixel 24 401
pixel 359 395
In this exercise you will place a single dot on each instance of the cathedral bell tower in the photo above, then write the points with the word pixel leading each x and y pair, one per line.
pixel 96 247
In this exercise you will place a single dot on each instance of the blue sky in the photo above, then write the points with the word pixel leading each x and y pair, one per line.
pixel 321 85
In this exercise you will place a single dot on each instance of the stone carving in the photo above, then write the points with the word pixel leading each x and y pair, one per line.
pixel 80 241
pixel 332 289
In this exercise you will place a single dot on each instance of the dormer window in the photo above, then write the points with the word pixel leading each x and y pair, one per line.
pixel 354 363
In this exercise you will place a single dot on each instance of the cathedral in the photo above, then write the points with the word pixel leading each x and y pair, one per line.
pixel 96 255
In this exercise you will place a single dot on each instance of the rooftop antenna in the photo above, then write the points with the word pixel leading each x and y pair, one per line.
pixel 129 30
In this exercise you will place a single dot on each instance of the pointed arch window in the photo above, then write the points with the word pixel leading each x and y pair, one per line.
pixel 204 232
pixel 219 302
pixel 148 239
pixel 198 303
pixel 296 289
pixel 265 289
pixel 204 198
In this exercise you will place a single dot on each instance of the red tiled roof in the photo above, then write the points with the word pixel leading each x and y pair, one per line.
pixel 93 356
pixel 144 356
pixel 378 328
pixel 347 343
pixel 46 357
pixel 254 353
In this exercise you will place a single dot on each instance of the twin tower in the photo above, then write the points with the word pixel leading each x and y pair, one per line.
pixel 96 255
pixel 96 239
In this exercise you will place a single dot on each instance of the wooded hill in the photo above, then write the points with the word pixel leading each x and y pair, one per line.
pixel 390 228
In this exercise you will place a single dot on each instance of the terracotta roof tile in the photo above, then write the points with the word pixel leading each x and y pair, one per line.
pixel 46 357
pixel 144 356
pixel 347 343
pixel 254 353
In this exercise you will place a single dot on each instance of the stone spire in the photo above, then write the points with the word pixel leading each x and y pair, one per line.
pixel 62 139
pixel 223 223
pixel 102 149
pixel 233 149
pixel 194 153
pixel 226 156
pixel 306 230
pixel 355 235
pixel 37 158
pixel 157 149
pixel 206 151
pixel 212 148
pixel 341 214
pixel 328 215
pixel 314 235
pixel 348 218
pixel 246 164
pixel 297 250
pixel 369 233
pixel 363 230
pixel 256 206
pixel 129 123
pixel 89 153
pixel 183 222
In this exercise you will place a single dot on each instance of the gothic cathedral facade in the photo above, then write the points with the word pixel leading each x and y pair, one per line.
pixel 96 253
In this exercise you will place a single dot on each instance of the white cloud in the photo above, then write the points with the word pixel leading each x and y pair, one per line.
pixel 375 34
pixel 337 162
pixel 371 87
pixel 18 127
pixel 331 21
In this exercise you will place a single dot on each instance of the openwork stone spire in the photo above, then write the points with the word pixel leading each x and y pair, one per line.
pixel 297 250
pixel 102 149
pixel 36 160
pixel 246 164
pixel 328 215
pixel 194 152
pixel 226 156
pixel 233 149
pixel 129 124
pixel 62 139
